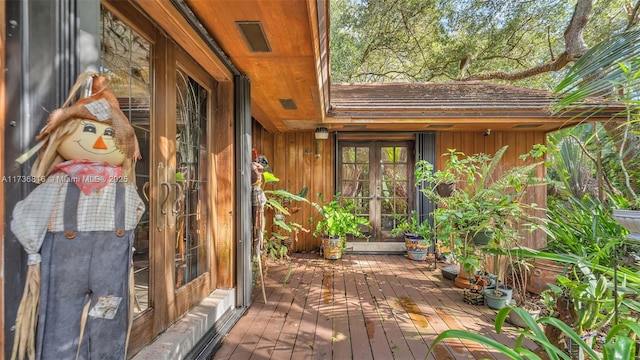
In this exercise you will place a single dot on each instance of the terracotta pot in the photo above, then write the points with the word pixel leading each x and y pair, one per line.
pixel 462 280
pixel 544 272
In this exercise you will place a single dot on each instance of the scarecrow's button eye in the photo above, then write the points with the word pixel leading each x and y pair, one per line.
pixel 89 128
pixel 109 132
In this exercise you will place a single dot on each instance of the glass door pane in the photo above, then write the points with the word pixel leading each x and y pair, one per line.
pixel 394 190
pixel 355 181
pixel 377 177
pixel 125 57
pixel 191 169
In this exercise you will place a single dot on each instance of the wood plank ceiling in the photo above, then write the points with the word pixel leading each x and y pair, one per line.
pixel 289 82
pixel 286 90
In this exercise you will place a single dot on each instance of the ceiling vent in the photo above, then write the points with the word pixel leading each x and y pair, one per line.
pixel 354 126
pixel 527 126
pixel 288 104
pixel 254 35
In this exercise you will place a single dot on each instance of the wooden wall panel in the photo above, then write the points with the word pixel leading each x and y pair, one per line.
pixel 519 143
pixel 223 169
pixel 292 159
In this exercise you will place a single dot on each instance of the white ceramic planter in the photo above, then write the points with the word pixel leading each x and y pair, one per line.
pixel 630 220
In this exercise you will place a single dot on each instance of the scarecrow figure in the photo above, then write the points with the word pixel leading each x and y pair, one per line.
pixel 258 199
pixel 77 228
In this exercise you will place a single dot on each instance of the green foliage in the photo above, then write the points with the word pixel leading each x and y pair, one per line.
pixel 454 168
pixel 533 331
pixel 339 220
pixel 610 71
pixel 591 296
pixel 598 71
pixel 412 225
pixel 420 41
pixel 275 248
pixel 282 230
pixel 487 200
pixel 583 227
pixel 619 343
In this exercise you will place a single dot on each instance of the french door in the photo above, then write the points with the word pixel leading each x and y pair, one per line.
pixel 377 176
pixel 169 100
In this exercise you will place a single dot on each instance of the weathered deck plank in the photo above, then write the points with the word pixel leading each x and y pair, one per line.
pixel 361 307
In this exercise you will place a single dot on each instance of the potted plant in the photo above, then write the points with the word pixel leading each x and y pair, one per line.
pixel 585 302
pixel 495 298
pixel 441 182
pixel 520 269
pixel 417 235
pixel 490 204
pixel 338 220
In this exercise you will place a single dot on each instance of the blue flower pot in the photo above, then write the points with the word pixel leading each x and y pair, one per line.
pixel 417 255
pixel 495 301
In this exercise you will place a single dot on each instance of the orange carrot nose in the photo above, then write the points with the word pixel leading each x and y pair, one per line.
pixel 99 144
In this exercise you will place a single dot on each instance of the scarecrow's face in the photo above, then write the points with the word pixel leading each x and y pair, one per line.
pixel 91 140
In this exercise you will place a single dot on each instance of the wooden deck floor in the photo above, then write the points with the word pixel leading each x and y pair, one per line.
pixel 359 307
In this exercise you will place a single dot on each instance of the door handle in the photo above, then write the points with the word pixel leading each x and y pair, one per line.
pixel 177 204
pixel 162 191
pixel 163 207
pixel 145 190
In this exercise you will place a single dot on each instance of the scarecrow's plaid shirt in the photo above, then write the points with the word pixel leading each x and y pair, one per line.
pixel 43 211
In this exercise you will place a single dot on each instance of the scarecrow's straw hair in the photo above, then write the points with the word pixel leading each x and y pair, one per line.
pixel 48 156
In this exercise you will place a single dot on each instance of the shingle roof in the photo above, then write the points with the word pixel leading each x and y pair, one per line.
pixel 442 100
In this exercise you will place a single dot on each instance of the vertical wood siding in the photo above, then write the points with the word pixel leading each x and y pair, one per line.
pixel 222 167
pixel 519 143
pixel 292 159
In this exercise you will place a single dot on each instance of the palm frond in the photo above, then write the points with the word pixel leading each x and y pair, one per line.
pixel 598 71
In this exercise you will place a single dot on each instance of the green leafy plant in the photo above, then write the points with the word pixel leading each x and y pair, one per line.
pixel 454 167
pixel 610 72
pixel 413 226
pixel 583 227
pixel 280 203
pixel 615 346
pixel 339 220
pixel 592 304
pixel 490 201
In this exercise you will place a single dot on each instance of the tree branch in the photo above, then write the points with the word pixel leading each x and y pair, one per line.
pixel 633 16
pixel 573 39
pixel 555 65
pixel 574 48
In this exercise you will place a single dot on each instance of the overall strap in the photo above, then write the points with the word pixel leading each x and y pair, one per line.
pixel 71 209
pixel 120 208
pixel 70 215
